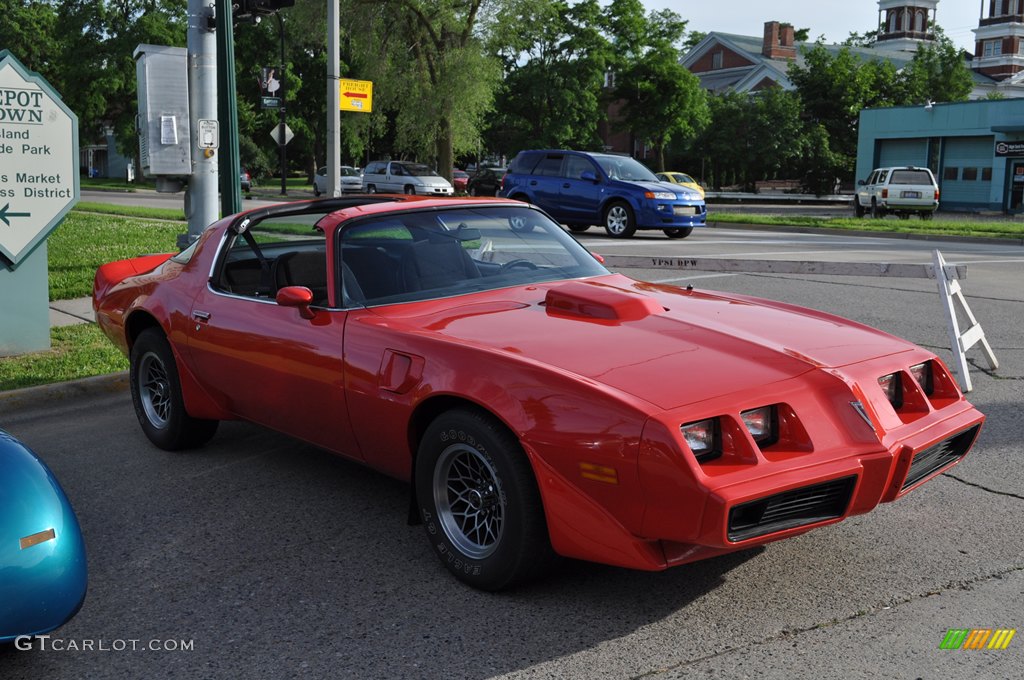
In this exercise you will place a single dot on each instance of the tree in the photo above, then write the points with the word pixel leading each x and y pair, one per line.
pixel 660 99
pixel 555 57
pixel 938 73
pixel 433 73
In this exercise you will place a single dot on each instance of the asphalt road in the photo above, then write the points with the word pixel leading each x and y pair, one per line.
pixel 267 558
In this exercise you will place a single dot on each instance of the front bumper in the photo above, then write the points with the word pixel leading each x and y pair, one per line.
pixel 666 214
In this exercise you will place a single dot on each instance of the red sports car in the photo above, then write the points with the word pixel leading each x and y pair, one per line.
pixel 538 404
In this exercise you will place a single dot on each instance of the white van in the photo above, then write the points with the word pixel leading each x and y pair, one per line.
pixel 403 177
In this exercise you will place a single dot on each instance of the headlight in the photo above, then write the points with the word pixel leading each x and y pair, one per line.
pixel 893 388
pixel 663 195
pixel 702 439
pixel 923 375
pixel 760 424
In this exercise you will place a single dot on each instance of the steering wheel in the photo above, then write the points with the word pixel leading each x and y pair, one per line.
pixel 518 262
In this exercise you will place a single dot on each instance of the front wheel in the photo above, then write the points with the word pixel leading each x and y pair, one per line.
pixel 316 190
pixel 473 191
pixel 678 233
pixel 409 190
pixel 479 501
pixel 618 220
pixel 157 397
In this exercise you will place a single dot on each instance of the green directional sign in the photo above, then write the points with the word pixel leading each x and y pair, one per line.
pixel 39 181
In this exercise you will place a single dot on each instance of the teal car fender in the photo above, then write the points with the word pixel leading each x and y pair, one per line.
pixel 43 572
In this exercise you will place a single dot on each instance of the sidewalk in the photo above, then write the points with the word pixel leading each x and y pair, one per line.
pixel 71 312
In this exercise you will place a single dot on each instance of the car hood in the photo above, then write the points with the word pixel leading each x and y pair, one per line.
pixel 682 191
pixel 666 345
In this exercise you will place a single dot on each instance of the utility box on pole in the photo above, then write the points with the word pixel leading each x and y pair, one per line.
pixel 165 149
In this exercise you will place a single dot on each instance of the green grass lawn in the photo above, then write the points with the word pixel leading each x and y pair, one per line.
pixel 76 352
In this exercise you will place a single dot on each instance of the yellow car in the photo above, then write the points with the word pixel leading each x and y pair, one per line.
pixel 681 178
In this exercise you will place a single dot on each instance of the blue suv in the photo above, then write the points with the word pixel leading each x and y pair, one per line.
pixel 580 189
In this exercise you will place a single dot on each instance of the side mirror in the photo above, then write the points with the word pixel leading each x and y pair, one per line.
pixel 299 297
pixel 861 182
pixel 588 176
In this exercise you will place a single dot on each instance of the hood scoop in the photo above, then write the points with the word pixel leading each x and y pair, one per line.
pixel 599 302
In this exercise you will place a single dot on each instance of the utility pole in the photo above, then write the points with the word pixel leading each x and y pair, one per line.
pixel 201 207
pixel 227 112
pixel 282 144
pixel 333 101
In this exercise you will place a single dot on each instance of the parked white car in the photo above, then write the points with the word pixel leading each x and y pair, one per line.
pixel 403 177
pixel 351 181
pixel 903 191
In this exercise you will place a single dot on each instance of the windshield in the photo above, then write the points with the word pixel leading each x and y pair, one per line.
pixel 406 256
pixel 624 168
pixel 349 172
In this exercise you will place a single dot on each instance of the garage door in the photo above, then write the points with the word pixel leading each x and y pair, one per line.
pixel 903 152
pixel 966 174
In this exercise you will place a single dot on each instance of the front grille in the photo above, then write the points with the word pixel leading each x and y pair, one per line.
pixel 790 509
pixel 939 456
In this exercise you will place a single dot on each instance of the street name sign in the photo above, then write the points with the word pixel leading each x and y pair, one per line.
pixel 38 159
pixel 356 95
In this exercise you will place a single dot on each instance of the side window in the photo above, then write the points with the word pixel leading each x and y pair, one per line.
pixel 397 169
pixel 258 267
pixel 882 176
pixel 549 166
pixel 577 165
pixel 373 169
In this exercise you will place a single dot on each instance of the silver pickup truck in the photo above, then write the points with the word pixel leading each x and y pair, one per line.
pixel 903 191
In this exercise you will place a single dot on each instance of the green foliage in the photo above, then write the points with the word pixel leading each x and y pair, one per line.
pixel 555 58
pixel 938 73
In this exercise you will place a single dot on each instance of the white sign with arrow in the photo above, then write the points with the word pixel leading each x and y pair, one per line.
pixel 38 159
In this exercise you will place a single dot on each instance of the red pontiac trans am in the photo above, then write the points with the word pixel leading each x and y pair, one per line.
pixel 538 404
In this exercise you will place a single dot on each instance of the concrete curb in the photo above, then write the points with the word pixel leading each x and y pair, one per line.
pixel 29 397
pixel 794 229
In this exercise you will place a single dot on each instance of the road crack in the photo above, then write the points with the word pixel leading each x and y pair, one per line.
pixel 983 487
pixel 950 586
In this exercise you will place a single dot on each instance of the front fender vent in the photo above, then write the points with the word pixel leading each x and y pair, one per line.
pixel 798 507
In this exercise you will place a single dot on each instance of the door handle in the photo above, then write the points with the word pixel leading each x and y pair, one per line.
pixel 565 186
pixel 200 315
pixel 533 182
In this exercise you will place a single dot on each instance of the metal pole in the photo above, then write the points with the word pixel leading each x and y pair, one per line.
pixel 227 112
pixel 282 145
pixel 333 101
pixel 201 196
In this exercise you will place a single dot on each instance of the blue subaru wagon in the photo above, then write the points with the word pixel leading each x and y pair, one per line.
pixel 581 189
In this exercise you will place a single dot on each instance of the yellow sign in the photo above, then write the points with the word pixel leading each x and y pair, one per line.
pixel 356 95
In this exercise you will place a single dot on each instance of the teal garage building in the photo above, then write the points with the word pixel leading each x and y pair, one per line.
pixel 975 149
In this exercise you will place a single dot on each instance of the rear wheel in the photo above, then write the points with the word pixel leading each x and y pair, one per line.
pixel 316 189
pixel 479 501
pixel 927 215
pixel 371 188
pixel 157 397
pixel 618 220
pixel 678 233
